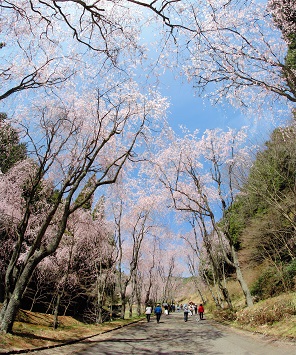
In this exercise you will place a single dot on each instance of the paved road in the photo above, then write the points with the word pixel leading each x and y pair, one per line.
pixel 172 336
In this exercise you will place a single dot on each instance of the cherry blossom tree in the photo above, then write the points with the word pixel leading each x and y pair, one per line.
pixel 48 43
pixel 10 183
pixel 94 260
pixel 194 255
pixel 37 293
pixel 88 115
pixel 238 54
pixel 81 269
pixel 284 15
pixel 141 234
pixel 34 55
pixel 204 257
pixel 139 227
pixel 148 269
pixel 68 149
pixel 133 218
pixel 232 47
pixel 166 272
pixel 200 177
pixel 61 274
pixel 225 181
pixel 11 151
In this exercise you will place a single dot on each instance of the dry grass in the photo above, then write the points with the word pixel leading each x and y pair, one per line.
pixel 275 317
pixel 269 311
pixel 34 330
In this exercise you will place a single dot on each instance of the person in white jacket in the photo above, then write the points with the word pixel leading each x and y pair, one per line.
pixel 186 311
pixel 148 312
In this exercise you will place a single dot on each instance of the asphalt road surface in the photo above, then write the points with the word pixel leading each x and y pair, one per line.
pixel 173 336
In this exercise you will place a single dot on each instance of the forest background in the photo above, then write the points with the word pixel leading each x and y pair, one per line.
pixel 103 205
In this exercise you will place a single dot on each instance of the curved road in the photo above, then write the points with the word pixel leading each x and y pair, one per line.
pixel 173 336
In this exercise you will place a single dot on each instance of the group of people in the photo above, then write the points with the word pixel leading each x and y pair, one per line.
pixel 189 309
pixel 157 312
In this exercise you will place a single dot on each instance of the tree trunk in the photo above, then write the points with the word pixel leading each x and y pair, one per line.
pixel 199 291
pixel 131 307
pixel 33 301
pixel 100 315
pixel 215 299
pixel 123 304
pixel 11 303
pixel 217 274
pixel 100 306
pixel 56 312
pixel 225 294
pixel 10 313
pixel 138 297
pixel 3 309
pixel 241 280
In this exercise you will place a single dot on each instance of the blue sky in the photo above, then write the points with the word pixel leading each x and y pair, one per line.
pixel 191 111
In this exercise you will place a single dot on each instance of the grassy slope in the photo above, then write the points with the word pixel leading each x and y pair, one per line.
pixel 34 330
pixel 273 317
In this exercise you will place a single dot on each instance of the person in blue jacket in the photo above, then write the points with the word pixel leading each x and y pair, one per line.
pixel 158 312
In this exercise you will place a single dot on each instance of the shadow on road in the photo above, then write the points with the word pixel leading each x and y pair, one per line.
pixel 171 336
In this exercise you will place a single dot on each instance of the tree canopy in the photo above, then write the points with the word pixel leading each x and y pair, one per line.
pixel 80 85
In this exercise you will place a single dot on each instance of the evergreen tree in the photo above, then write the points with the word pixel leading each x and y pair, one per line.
pixel 11 150
pixel 99 210
pixel 87 205
pixel 263 217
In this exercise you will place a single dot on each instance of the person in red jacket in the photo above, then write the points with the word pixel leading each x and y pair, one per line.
pixel 201 311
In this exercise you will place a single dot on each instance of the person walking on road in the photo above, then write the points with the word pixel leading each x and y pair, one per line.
pixel 158 312
pixel 186 311
pixel 201 311
pixel 148 312
pixel 166 308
